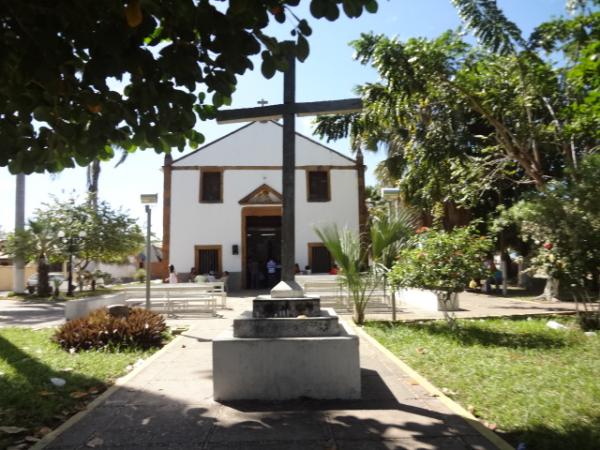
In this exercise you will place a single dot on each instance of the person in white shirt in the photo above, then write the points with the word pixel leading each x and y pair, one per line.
pixel 172 274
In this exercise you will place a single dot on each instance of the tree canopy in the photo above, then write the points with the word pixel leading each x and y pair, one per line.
pixel 78 78
pixel 110 235
pixel 478 125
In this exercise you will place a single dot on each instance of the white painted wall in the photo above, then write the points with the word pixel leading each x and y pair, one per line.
pixel 259 144
pixel 194 223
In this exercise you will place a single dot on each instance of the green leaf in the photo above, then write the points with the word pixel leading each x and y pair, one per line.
pixel 302 49
pixel 371 6
pixel 268 65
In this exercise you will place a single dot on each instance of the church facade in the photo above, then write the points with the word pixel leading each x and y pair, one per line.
pixel 222 204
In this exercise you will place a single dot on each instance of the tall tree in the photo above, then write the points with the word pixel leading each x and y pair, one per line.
pixel 474 124
pixel 110 236
pixel 19 263
pixel 92 178
pixel 59 108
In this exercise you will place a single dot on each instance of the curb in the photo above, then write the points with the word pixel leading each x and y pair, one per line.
pixel 435 392
pixel 46 440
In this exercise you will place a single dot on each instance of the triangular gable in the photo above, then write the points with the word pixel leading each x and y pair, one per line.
pixel 260 144
pixel 262 195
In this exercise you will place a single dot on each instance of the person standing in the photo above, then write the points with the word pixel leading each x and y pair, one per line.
pixel 271 272
pixel 172 274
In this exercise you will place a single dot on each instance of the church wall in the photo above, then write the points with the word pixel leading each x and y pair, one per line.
pixel 265 141
pixel 342 210
pixel 220 223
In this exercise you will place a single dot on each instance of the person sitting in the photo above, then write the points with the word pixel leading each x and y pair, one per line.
pixel 211 277
pixel 172 274
pixel 296 269
pixel 192 276
pixel 225 278
pixel 333 270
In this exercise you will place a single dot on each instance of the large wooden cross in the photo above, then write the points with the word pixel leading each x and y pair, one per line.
pixel 288 110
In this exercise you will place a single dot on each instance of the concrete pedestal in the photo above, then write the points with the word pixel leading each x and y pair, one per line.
pixel 326 324
pixel 264 306
pixel 286 368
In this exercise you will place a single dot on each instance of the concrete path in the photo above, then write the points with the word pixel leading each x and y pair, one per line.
pixel 49 314
pixel 24 313
pixel 169 404
pixel 480 305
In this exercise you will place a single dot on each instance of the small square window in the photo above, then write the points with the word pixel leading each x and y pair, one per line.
pixel 211 187
pixel 318 186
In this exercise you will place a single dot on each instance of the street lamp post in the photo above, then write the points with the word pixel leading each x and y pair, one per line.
pixel 147 200
pixel 391 195
pixel 71 241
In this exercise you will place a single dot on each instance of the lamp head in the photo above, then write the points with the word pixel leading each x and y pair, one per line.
pixel 149 199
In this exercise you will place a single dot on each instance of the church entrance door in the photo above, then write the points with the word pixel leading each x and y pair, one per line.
pixel 261 242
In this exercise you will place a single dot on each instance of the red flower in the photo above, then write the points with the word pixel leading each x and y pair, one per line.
pixel 422 230
pixel 548 245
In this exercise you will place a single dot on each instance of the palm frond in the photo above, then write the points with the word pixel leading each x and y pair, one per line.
pixel 489 24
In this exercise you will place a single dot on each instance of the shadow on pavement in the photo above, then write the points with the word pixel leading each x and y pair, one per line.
pixel 139 419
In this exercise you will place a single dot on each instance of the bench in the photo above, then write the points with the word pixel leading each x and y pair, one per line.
pixel 175 297
pixel 216 288
pixel 332 293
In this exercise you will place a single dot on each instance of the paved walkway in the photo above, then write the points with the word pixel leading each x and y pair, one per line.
pixel 49 314
pixel 24 313
pixel 169 404
pixel 482 305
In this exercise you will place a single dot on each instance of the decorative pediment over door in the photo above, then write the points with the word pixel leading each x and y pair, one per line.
pixel 262 195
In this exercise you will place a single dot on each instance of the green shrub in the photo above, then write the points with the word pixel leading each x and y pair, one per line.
pixel 141 330
pixel 442 260
pixel 140 275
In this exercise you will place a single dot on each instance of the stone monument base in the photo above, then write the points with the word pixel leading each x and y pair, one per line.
pixel 284 368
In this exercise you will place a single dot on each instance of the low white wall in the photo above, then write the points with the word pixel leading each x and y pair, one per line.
pixel 425 300
pixel 75 309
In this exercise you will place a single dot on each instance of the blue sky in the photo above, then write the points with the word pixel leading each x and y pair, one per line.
pixel 328 73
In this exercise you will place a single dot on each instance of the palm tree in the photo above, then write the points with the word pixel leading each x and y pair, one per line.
pixel 19 262
pixel 389 235
pixel 345 247
pixel 93 176
pixel 44 243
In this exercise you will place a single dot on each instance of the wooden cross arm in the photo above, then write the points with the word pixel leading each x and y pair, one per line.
pixel 273 112
pixel 345 106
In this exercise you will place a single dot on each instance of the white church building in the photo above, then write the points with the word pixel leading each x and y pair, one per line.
pixel 222 203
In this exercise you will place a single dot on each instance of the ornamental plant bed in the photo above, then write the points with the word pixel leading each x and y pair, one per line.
pixel 443 262
pixel 532 384
pixel 31 404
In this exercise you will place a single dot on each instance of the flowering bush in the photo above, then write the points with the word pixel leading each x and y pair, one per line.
pixel 442 261
pixel 562 224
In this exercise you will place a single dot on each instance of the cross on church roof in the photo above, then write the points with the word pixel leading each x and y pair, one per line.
pixel 288 110
pixel 262 102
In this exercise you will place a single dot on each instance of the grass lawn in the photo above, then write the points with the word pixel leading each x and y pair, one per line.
pixel 539 386
pixel 28 399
